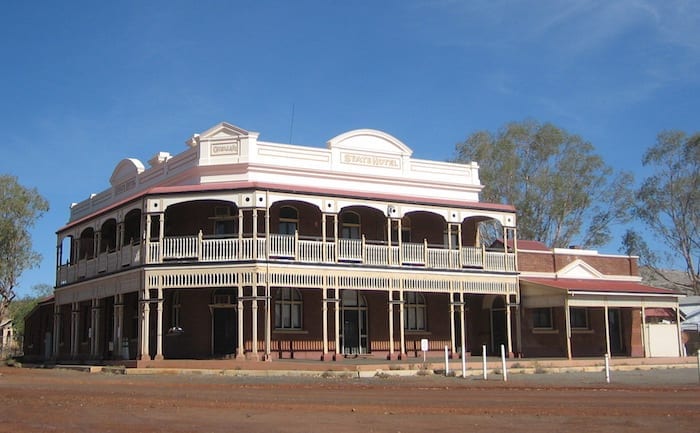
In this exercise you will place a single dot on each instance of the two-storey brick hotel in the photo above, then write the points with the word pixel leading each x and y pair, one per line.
pixel 240 248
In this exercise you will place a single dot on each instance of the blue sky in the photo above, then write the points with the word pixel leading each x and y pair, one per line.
pixel 85 84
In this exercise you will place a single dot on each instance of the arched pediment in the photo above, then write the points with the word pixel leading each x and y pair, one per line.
pixel 126 169
pixel 369 140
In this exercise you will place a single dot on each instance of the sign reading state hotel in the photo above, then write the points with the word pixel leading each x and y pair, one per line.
pixel 370 160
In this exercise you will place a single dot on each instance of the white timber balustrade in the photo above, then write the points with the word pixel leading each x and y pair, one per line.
pixel 197 248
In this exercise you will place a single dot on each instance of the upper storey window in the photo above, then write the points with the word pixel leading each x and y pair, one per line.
pixel 350 225
pixel 289 220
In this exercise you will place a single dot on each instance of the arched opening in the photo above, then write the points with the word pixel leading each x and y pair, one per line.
pixel 426 226
pixel 86 244
pixel 67 252
pixel 108 236
pixel 132 227
pixel 214 218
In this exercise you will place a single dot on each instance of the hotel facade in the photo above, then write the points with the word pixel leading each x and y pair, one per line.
pixel 237 248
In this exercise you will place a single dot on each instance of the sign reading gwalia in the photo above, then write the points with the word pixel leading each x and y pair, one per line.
pixel 224 149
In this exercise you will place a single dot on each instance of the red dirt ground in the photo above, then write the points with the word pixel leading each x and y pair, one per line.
pixel 34 400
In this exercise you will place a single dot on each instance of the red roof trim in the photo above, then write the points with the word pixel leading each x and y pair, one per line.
pixel 291 188
pixel 610 286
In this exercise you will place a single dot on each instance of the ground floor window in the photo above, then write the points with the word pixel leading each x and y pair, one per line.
pixel 579 318
pixel 414 312
pixel 542 318
pixel 175 316
pixel 288 309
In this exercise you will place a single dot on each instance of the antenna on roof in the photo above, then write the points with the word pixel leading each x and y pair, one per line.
pixel 291 125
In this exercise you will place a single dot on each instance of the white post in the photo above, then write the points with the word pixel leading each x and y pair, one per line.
pixel 698 365
pixel 447 365
pixel 483 360
pixel 607 368
pixel 464 362
pixel 503 363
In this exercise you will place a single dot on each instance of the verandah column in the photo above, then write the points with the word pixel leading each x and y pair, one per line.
pixel 56 331
pixel 254 319
pixel 607 328
pixel 453 348
pixel 240 350
pixel 509 327
pixel 391 319
pixel 567 325
pixel 402 327
pixel 94 327
pixel 324 317
pixel 144 319
pixel 117 321
pixel 336 304
pixel 462 328
pixel 159 326
pixel 75 323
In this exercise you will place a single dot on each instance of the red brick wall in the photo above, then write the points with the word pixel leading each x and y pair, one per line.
pixel 549 262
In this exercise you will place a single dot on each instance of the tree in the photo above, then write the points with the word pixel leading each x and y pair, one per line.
pixel 563 192
pixel 20 307
pixel 668 201
pixel 20 208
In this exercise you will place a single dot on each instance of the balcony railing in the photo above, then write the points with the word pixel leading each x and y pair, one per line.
pixel 289 248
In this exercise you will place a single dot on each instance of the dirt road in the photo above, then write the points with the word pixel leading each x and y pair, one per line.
pixel 34 400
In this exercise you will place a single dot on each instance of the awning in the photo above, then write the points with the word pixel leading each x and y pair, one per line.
pixel 601 285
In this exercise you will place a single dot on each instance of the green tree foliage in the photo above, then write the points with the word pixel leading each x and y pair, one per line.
pixel 20 208
pixel 562 190
pixel 20 307
pixel 668 201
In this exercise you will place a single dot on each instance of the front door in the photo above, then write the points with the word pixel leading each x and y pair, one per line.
pixel 499 333
pixel 354 320
pixel 225 325
pixel 616 345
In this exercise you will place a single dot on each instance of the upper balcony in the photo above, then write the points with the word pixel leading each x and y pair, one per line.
pixel 193 250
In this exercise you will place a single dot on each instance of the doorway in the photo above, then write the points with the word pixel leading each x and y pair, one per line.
pixel 354 336
pixel 614 322
pixel 498 325
pixel 225 327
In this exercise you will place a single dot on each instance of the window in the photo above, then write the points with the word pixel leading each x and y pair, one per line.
pixel 288 309
pixel 224 227
pixel 405 230
pixel 579 318
pixel 289 220
pixel 414 312
pixel 542 318
pixel 175 317
pixel 350 228
pixel 224 222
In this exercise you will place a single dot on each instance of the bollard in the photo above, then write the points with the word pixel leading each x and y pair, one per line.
pixel 447 364
pixel 503 363
pixel 464 363
pixel 607 368
pixel 483 362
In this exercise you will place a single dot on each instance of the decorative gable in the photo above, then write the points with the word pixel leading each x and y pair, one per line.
pixel 128 168
pixel 580 270
pixel 369 140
